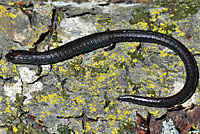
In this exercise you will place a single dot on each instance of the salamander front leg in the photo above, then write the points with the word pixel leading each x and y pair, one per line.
pixel 111 47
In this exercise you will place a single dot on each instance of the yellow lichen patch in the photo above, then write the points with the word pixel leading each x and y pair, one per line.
pixel 115 131
pixel 111 116
pixel 11 3
pixel 101 78
pixel 80 100
pixel 121 117
pixel 166 89
pixel 106 109
pixel 118 111
pixel 151 86
pixel 6 128
pixel 177 29
pixel 11 15
pixel 26 110
pixel 135 60
pixel 4 12
pixel 163 74
pixel 153 19
pixel 15 130
pixel 77 132
pixel 77 67
pixel 62 70
pixel 198 100
pixel 155 66
pixel 58 85
pixel 180 63
pixel 98 25
pixel 92 108
pixel 165 9
pixel 163 25
pixel 8 108
pixel 42 116
pixel 155 113
pixel 46 112
pixel 4 69
pixel 53 98
pixel 156 11
pixel 181 34
pixel 2 9
pixel 95 64
pixel 143 25
pixel 88 126
pixel 105 53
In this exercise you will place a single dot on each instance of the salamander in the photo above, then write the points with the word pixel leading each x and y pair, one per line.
pixel 103 39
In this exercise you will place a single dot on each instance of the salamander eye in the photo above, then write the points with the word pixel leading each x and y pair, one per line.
pixel 9 57
pixel 11 51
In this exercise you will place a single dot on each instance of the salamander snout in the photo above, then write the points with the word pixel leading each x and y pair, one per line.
pixel 9 56
pixel 13 55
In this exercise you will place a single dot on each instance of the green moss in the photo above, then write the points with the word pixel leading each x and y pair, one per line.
pixel 136 55
pixel 127 127
pixel 135 86
pixel 64 129
pixel 20 122
pixel 180 9
pixel 175 10
pixel 119 64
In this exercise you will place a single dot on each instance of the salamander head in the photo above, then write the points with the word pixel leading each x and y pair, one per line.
pixel 16 56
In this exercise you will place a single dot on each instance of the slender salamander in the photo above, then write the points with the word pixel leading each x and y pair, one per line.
pixel 102 39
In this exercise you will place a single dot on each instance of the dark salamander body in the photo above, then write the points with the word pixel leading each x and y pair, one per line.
pixel 99 40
